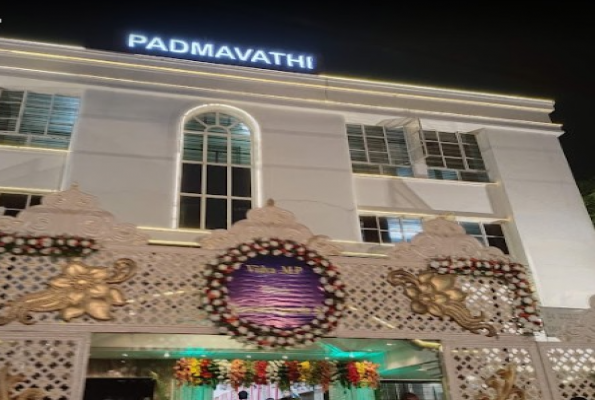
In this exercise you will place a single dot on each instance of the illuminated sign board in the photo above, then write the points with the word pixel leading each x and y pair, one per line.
pixel 222 54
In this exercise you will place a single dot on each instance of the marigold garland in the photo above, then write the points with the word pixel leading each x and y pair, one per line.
pixel 216 300
pixel 526 306
pixel 53 246
pixel 237 373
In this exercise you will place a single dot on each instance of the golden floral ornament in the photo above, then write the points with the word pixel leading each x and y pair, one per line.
pixel 502 386
pixel 80 290
pixel 8 381
pixel 435 294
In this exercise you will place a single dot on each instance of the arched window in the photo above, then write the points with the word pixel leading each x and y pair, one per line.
pixel 216 174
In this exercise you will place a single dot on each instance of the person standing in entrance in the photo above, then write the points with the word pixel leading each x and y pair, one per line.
pixel 243 395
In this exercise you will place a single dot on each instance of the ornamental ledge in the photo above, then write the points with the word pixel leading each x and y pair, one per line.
pixel 73 213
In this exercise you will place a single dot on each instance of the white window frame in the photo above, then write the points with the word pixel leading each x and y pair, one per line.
pixel 483 237
pixel 205 163
pixel 46 139
pixel 28 196
pixel 415 145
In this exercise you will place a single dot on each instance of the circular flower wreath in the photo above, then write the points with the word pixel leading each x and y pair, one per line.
pixel 525 303
pixel 216 299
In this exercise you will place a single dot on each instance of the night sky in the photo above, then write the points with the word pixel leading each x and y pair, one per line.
pixel 544 52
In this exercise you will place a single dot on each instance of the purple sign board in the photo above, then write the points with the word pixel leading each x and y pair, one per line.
pixel 276 291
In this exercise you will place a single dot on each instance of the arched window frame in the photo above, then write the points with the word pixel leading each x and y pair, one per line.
pixel 206 198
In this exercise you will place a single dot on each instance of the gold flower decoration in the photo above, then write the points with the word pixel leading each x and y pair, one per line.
pixel 437 294
pixel 7 381
pixel 81 289
pixel 502 385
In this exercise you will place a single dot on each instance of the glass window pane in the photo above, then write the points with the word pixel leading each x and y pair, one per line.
pixel 443 174
pixel 240 129
pixel 241 150
pixel 370 236
pixel 49 143
pixel 217 149
pixel 395 134
pixel 471 228
pixel 493 229
pixel 358 155
pixel 385 237
pixel 448 137
pixel 366 169
pixel 472 151
pixel 189 212
pixel 216 180
pixel 191 178
pixel 474 176
pixel 226 119
pixel 379 158
pixel 451 150
pixel 356 142
pixel 36 114
pixel 11 140
pixel 374 131
pixel 430 135
pixel 354 129
pixel 396 236
pixel 35 200
pixel 454 163
pixel 411 227
pixel 368 221
pixel 207 119
pixel 239 208
pixel 377 144
pixel 241 182
pixel 193 125
pixel 217 129
pixel 434 161
pixel 193 147
pixel 469 138
pixel 405 171
pixel 382 223
pixel 498 242
pixel 475 163
pixel 13 200
pixel 432 148
pixel 216 214
pixel 7 124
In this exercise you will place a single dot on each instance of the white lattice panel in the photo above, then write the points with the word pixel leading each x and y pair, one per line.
pixel 571 369
pixel 469 367
pixel 377 306
pixel 53 365
pixel 166 288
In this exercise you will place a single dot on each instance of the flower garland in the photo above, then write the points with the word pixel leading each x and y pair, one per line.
pixel 238 372
pixel 525 301
pixel 216 299
pixel 195 372
pixel 54 246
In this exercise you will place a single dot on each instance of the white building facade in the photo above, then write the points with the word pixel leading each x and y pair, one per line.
pixel 181 148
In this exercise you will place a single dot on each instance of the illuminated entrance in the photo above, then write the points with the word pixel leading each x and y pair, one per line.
pixel 143 366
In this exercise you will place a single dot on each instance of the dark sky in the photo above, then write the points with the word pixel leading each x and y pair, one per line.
pixel 543 52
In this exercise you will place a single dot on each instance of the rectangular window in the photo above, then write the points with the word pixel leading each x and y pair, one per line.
pixel 378 150
pixel 37 119
pixel 13 203
pixel 453 156
pixel 395 229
